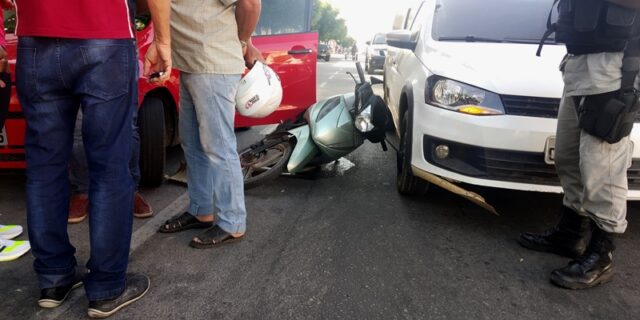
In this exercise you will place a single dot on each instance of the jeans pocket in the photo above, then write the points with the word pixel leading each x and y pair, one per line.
pixel 26 74
pixel 108 73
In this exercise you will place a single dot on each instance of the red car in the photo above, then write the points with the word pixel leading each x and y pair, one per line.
pixel 287 45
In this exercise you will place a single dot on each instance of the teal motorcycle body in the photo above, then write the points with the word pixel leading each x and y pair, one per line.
pixel 329 135
pixel 327 131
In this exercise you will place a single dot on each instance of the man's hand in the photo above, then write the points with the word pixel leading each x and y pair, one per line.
pixel 247 15
pixel 251 55
pixel 158 61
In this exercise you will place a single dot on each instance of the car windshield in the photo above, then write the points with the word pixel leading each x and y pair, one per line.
pixel 380 39
pixel 491 20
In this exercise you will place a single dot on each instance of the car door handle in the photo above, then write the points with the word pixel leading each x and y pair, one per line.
pixel 300 51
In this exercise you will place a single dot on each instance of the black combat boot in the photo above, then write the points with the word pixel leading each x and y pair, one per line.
pixel 568 238
pixel 592 268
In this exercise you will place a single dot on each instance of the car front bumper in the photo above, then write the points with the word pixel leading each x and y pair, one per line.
pixel 496 151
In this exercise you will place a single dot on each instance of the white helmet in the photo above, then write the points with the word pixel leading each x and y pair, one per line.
pixel 259 93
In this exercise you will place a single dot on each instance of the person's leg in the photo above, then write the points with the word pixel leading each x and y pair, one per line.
pixel 78 176
pixel 604 170
pixel 108 87
pixel 78 167
pixel 214 99
pixel 199 172
pixel 569 236
pixel 141 208
pixel 567 155
pixel 50 111
pixel 604 176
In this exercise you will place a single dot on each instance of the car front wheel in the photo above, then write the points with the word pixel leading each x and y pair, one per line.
pixel 152 148
pixel 406 182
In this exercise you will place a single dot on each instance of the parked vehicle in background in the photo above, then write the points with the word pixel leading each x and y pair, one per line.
pixel 472 103
pixel 287 45
pixel 324 52
pixel 376 53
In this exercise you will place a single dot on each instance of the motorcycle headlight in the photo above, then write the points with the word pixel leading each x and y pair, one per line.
pixel 457 96
pixel 363 120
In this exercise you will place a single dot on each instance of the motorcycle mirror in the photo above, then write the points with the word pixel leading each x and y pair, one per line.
pixel 352 77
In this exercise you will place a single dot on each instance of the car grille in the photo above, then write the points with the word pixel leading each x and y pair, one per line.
pixel 504 165
pixel 534 107
pixel 531 106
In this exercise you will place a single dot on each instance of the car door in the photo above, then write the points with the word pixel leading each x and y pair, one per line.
pixel 284 37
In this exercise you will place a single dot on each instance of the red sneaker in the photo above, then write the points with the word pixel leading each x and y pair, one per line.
pixel 141 208
pixel 78 207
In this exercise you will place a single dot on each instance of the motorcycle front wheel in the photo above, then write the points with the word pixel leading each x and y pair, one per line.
pixel 264 161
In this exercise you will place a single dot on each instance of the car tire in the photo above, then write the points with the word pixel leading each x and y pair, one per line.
pixel 327 58
pixel 369 68
pixel 152 147
pixel 406 182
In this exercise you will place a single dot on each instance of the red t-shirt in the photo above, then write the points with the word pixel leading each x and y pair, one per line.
pixel 81 19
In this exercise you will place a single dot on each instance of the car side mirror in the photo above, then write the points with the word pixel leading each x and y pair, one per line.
pixel 368 43
pixel 401 39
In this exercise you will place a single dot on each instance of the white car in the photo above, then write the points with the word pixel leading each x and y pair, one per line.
pixel 376 52
pixel 472 102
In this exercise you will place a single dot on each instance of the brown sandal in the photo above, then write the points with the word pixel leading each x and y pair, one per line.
pixel 183 222
pixel 213 237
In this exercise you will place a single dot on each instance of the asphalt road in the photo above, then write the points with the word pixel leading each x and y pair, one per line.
pixel 345 245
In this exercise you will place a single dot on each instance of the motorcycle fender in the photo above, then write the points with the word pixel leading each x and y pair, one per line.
pixel 304 151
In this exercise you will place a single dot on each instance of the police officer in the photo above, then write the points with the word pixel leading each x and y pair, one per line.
pixel 592 154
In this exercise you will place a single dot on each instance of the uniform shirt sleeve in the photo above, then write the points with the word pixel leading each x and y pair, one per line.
pixel 228 2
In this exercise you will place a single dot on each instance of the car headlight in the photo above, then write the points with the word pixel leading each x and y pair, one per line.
pixel 363 120
pixel 457 96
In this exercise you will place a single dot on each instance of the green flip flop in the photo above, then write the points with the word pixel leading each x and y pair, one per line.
pixel 9 232
pixel 11 250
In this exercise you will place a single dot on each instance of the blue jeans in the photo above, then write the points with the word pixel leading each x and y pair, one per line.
pixel 79 169
pixel 54 78
pixel 214 176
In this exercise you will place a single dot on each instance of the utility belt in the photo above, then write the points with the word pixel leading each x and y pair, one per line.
pixel 610 116
pixel 595 26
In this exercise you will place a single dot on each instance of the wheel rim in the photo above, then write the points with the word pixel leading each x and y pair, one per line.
pixel 256 164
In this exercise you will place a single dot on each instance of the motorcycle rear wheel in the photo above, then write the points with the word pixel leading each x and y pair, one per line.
pixel 259 167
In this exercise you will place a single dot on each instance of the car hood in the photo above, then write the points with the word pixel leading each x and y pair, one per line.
pixel 504 68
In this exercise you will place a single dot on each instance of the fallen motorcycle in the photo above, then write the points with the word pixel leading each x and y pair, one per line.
pixel 325 132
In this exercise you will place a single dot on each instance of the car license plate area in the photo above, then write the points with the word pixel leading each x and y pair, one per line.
pixel 550 151
pixel 3 137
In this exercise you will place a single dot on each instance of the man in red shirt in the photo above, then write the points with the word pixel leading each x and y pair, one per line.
pixel 63 65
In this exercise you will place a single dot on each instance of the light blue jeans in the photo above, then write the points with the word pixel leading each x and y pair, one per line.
pixel 214 176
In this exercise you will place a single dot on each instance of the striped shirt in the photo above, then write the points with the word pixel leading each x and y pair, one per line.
pixel 80 19
pixel 204 37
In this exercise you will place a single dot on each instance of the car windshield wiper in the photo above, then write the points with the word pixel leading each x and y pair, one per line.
pixel 470 39
pixel 530 41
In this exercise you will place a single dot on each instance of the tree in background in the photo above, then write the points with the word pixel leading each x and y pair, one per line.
pixel 325 20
